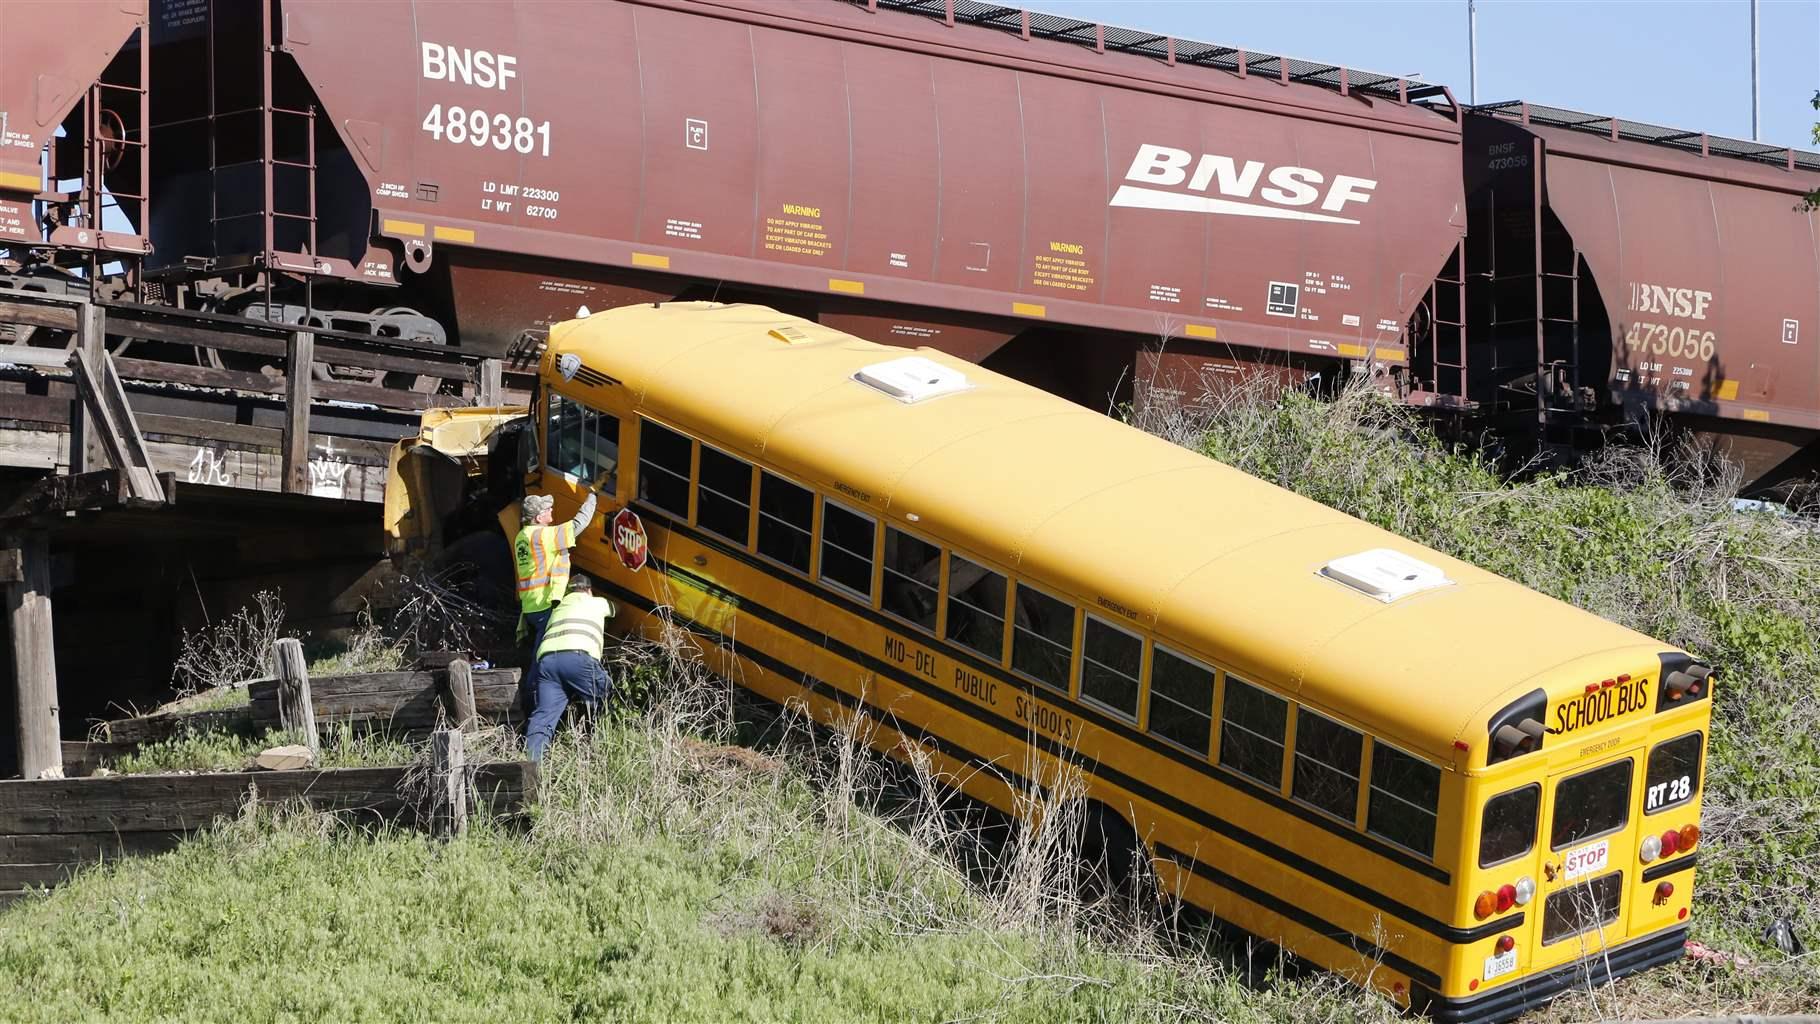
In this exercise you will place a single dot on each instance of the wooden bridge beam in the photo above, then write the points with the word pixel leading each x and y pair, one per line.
pixel 86 451
pixel 300 353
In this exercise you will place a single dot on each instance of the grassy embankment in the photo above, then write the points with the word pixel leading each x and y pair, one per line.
pixel 666 878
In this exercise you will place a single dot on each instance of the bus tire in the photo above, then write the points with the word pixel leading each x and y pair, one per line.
pixel 1114 869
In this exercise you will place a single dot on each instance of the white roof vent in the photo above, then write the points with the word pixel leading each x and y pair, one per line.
pixel 913 379
pixel 1384 574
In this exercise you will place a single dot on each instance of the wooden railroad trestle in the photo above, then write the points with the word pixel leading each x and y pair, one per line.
pixel 110 419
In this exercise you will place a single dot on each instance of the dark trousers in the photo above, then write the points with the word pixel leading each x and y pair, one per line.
pixel 535 624
pixel 559 677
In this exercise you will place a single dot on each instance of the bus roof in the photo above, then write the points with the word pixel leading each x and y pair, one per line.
pixel 1148 533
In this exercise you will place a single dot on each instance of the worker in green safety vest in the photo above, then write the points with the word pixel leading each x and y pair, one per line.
pixel 568 661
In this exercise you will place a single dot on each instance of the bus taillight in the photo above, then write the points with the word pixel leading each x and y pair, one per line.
pixel 1663 892
pixel 1497 901
pixel 1690 834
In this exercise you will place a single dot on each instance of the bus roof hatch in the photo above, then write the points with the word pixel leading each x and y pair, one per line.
pixel 1384 574
pixel 912 379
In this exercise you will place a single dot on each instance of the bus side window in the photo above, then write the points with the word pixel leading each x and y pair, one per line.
pixel 564 433
pixel 1508 828
pixel 1252 723
pixel 1042 637
pixel 913 574
pixel 1673 774
pixel 663 468
pixel 723 495
pixel 583 443
pixel 847 543
pixel 1112 662
pixel 1181 700
pixel 976 607
pixel 1327 765
pixel 786 522
pixel 600 450
pixel 1405 799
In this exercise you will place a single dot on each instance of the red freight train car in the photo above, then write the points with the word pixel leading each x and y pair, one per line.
pixel 898 176
pixel 67 64
pixel 1619 269
pixel 1049 195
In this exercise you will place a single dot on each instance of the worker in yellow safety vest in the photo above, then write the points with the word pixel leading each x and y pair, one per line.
pixel 568 661
pixel 540 554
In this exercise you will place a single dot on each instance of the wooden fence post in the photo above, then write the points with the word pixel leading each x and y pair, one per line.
pixel 296 712
pixel 28 602
pixel 449 782
pixel 461 693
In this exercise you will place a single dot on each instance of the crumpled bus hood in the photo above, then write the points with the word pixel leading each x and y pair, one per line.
pixel 428 475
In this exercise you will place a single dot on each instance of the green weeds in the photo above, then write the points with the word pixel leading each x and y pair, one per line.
pixel 226 752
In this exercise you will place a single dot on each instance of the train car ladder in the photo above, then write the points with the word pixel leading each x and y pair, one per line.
pixel 109 143
pixel 295 252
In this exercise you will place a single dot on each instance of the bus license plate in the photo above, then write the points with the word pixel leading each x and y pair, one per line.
pixel 1501 964
pixel 1588 859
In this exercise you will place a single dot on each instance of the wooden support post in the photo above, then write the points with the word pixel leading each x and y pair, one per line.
pixel 299 354
pixel 449 778
pixel 28 604
pixel 296 712
pixel 86 451
pixel 491 382
pixel 461 694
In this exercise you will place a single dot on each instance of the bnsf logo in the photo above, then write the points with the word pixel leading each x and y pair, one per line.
pixel 481 68
pixel 1159 170
pixel 1682 302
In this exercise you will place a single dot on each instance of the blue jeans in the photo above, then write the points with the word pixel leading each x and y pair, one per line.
pixel 558 676
pixel 535 624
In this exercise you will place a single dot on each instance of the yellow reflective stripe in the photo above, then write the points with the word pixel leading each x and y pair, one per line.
pixel 580 629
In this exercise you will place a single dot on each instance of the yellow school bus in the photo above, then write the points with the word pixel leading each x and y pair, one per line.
pixel 1413 772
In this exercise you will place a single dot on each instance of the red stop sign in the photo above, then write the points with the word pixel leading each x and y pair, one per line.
pixel 628 535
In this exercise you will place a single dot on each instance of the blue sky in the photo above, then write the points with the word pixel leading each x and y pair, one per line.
pixel 1684 64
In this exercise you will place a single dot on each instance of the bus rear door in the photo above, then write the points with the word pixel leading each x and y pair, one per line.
pixel 1588 853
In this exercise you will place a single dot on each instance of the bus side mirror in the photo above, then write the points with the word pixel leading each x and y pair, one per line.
pixel 1687 682
pixel 1523 737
